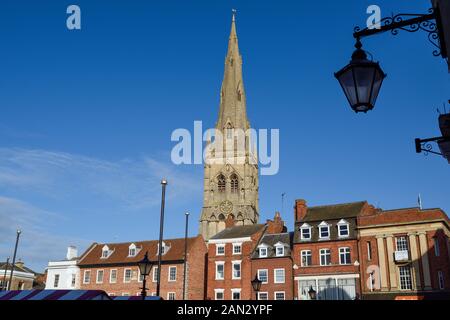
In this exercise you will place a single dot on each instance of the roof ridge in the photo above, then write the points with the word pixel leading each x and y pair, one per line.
pixel 338 204
pixel 143 241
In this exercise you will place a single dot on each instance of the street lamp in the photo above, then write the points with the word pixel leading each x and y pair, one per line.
pixel 443 141
pixel 361 80
pixel 161 231
pixel 145 266
pixel 312 293
pixel 14 258
pixel 256 284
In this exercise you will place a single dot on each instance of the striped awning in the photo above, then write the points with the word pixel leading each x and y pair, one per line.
pixel 54 295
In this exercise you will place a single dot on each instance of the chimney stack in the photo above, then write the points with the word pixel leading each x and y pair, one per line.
pixel 277 225
pixel 72 253
pixel 300 209
pixel 20 263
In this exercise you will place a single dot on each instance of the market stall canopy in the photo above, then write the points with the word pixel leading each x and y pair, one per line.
pixel 54 295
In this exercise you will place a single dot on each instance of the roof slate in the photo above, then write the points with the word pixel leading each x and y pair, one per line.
pixel 92 256
pixel 333 212
pixel 238 231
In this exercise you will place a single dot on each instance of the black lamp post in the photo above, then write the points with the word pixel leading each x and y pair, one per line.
pixel 161 231
pixel 145 266
pixel 256 284
pixel 312 293
pixel 14 259
pixel 361 80
pixel 4 287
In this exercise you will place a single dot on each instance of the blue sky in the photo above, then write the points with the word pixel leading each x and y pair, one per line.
pixel 86 116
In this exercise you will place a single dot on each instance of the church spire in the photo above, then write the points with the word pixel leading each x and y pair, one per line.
pixel 232 96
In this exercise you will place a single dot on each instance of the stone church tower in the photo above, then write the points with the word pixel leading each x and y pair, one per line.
pixel 231 179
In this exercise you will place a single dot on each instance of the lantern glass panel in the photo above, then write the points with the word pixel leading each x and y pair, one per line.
pixel 348 85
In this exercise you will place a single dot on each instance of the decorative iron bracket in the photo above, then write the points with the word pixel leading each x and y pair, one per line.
pixel 424 145
pixel 429 23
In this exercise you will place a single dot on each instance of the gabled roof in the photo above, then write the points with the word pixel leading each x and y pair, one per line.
pixel 16 268
pixel 334 212
pixel 271 239
pixel 238 232
pixel 92 256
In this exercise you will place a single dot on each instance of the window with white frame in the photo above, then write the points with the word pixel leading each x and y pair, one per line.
pixel 369 250
pixel 105 252
pixel 324 230
pixel 155 274
pixel 441 280
pixel 235 294
pixel 325 257
pixel 87 276
pixel 74 280
pixel 220 249
pixel 164 248
pixel 305 232
pixel 99 276
pixel 263 275
pixel 220 270
pixel 405 277
pixel 132 250
pixel 236 269
pixel 141 277
pixel 263 296
pixel 56 281
pixel 170 295
pixel 401 244
pixel 279 251
pixel 125 294
pixel 173 273
pixel 279 295
pixel 237 248
pixel 343 229
pixel 278 275
pixel 306 258
pixel 437 251
pixel 219 294
pixel 127 275
pixel 344 256
pixel 263 252
pixel 113 276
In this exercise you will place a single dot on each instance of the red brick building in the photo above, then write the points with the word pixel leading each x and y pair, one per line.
pixel 405 253
pixel 325 250
pixel 230 259
pixel 112 267
pixel 272 263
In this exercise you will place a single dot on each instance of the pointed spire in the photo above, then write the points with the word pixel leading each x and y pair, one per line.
pixel 232 96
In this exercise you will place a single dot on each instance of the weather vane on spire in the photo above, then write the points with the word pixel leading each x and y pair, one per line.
pixel 234 14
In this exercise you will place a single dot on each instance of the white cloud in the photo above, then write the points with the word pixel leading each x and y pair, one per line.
pixel 33 180
pixel 129 183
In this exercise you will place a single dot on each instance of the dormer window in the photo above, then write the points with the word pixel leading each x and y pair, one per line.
pixel 263 252
pixel 343 229
pixel 164 249
pixel 305 232
pixel 105 252
pixel 132 250
pixel 324 230
pixel 279 250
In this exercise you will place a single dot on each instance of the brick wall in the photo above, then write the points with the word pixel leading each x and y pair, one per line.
pixel 270 264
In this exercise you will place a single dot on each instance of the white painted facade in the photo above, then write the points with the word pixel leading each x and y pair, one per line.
pixel 64 275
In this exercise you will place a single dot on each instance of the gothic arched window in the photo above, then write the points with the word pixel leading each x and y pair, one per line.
pixel 221 183
pixel 234 183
